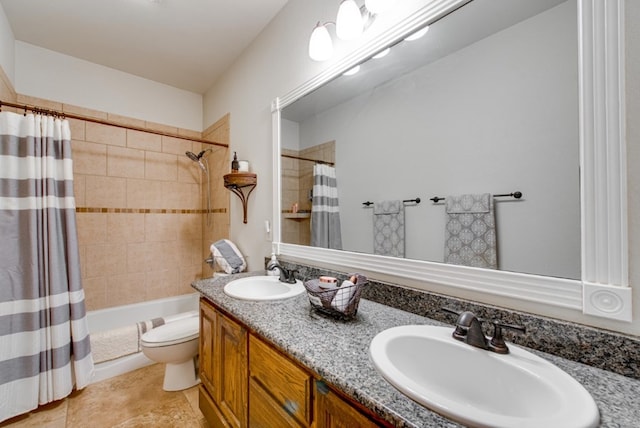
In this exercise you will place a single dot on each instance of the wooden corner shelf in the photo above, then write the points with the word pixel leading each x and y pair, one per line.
pixel 242 184
pixel 296 216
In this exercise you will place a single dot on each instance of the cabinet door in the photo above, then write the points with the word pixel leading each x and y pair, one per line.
pixel 333 412
pixel 208 327
pixel 231 359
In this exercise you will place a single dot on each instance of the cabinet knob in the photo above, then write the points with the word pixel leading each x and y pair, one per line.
pixel 322 387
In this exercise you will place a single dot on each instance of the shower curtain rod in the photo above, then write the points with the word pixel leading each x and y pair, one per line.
pixel 50 112
pixel 308 159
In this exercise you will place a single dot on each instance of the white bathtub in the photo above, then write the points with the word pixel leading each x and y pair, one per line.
pixel 122 316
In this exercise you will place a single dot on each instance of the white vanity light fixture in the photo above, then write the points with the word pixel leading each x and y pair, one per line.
pixel 349 22
pixel 418 34
pixel 320 44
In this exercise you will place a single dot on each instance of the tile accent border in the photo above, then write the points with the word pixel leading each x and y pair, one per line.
pixel 146 210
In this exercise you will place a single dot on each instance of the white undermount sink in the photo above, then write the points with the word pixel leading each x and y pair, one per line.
pixel 262 288
pixel 479 388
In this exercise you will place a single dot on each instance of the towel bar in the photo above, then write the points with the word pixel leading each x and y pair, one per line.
pixel 416 200
pixel 516 195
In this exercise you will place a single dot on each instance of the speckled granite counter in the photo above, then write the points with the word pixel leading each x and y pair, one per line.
pixel 339 353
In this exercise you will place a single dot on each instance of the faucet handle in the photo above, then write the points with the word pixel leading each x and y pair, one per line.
pixel 497 343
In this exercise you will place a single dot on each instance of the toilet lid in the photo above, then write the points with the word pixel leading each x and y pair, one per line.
pixel 174 332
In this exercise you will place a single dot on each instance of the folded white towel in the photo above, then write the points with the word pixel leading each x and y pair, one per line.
pixel 228 257
pixel 343 296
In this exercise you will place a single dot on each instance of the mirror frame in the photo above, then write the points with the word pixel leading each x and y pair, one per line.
pixel 604 289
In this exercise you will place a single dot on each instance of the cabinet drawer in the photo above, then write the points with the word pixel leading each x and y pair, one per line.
pixel 265 412
pixel 288 385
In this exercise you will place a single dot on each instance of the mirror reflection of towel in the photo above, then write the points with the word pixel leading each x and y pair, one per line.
pixel 470 234
pixel 388 228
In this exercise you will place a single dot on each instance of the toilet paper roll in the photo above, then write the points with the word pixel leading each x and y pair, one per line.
pixel 243 166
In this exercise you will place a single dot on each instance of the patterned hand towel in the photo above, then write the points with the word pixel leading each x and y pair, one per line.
pixel 388 228
pixel 470 235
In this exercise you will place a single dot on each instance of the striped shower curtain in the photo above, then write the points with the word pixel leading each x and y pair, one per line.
pixel 44 335
pixel 325 212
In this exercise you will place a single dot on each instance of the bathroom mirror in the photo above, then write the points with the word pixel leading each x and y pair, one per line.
pixel 557 135
pixel 485 102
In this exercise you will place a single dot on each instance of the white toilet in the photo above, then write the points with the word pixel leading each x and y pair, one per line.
pixel 176 345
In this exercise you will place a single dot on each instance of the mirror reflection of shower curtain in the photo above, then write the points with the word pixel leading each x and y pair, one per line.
pixel 325 211
pixel 45 348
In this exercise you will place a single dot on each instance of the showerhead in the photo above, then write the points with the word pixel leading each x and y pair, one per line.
pixel 198 158
pixel 204 166
pixel 193 156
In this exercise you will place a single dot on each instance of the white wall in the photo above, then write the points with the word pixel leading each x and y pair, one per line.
pixel 290 135
pixel 7 47
pixel 54 76
pixel 276 63
pixel 493 117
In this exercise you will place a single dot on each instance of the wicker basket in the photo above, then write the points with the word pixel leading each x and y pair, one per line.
pixel 341 302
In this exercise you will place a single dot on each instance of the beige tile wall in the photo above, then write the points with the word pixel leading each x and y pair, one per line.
pixel 219 164
pixel 141 221
pixel 297 182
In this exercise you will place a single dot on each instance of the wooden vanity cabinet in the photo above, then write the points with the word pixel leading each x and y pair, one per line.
pixel 246 382
pixel 223 369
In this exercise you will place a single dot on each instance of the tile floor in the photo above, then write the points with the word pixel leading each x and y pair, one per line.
pixel 134 399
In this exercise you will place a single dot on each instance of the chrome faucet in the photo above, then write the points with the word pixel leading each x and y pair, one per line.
pixel 286 275
pixel 469 330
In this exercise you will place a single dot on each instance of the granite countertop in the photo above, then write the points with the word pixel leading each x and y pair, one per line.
pixel 338 351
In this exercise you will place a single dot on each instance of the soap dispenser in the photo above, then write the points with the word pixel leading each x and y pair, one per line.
pixel 235 165
pixel 272 266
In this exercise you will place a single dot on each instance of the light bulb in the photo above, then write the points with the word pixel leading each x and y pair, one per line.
pixel 320 44
pixel 417 34
pixel 349 23
pixel 378 6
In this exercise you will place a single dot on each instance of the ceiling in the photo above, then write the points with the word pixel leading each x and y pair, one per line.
pixel 186 44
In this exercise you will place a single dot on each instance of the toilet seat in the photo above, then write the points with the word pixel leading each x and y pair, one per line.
pixel 172 333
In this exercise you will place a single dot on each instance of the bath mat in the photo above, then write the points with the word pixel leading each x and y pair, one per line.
pixel 112 344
